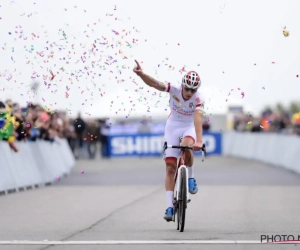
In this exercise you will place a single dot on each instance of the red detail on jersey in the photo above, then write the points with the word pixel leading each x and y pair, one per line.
pixel 168 87
pixel 188 136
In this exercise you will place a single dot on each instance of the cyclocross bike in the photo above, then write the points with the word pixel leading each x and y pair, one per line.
pixel 181 194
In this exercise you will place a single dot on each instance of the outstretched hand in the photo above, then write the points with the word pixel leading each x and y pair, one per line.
pixel 138 69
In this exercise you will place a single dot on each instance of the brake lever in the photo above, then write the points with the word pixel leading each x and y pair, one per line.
pixel 204 152
pixel 165 147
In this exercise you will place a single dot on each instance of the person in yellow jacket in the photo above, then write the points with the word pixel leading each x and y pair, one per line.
pixel 296 123
pixel 296 118
pixel 7 122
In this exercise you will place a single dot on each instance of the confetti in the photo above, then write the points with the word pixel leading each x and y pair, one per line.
pixel 285 32
pixel 102 47
pixel 222 8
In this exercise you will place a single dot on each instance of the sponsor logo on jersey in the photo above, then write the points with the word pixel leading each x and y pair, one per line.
pixel 176 98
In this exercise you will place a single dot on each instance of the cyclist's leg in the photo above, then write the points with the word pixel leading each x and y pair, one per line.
pixel 169 184
pixel 172 134
pixel 189 137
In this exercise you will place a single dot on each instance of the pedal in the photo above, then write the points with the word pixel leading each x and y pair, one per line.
pixel 189 200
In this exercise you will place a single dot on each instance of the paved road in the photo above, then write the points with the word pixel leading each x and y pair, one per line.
pixel 124 199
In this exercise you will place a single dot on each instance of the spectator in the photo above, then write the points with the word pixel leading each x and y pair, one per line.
pixel 7 126
pixel 104 133
pixel 70 134
pixel 92 135
pixel 19 123
pixel 79 126
pixel 296 123
pixel 256 125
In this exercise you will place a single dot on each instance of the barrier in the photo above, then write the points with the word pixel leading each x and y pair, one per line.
pixel 36 164
pixel 152 144
pixel 276 149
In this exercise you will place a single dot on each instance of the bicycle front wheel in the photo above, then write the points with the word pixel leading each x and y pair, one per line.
pixel 182 200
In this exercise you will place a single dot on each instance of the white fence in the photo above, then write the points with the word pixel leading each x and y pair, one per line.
pixel 36 164
pixel 276 149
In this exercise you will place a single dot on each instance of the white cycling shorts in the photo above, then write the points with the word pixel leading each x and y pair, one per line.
pixel 173 132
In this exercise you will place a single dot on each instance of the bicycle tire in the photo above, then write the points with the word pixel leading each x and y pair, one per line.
pixel 182 202
pixel 176 211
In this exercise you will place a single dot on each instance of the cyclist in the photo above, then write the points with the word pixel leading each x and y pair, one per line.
pixel 185 121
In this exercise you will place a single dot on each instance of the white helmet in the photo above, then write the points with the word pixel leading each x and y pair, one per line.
pixel 191 80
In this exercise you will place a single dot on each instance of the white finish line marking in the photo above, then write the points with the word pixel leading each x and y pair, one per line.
pixel 139 242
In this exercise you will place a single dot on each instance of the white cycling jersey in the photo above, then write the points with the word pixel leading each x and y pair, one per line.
pixel 181 120
pixel 183 110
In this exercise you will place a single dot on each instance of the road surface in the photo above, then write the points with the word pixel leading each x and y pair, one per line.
pixel 124 199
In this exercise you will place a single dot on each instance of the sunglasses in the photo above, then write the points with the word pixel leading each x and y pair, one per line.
pixel 190 90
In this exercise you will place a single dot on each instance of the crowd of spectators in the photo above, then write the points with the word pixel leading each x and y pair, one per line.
pixel 269 121
pixel 33 122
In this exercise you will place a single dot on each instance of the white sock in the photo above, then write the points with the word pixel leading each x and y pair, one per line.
pixel 191 172
pixel 169 195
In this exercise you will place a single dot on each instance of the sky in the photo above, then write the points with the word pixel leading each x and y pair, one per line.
pixel 237 47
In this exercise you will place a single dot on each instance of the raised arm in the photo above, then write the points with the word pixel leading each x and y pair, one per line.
pixel 150 81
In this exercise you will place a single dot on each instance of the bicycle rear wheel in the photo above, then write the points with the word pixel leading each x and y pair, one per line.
pixel 182 201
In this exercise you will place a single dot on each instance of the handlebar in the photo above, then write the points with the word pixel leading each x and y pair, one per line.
pixel 203 149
